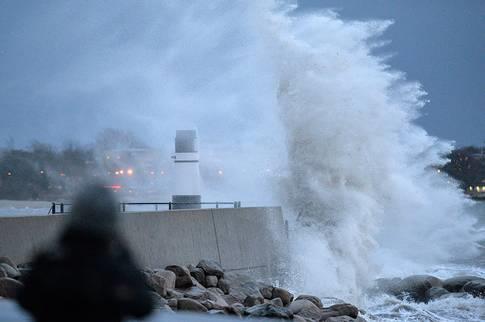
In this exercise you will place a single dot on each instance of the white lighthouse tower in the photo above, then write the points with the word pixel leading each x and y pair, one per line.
pixel 187 176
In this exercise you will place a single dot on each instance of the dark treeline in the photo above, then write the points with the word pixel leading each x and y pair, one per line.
pixel 43 172
pixel 467 165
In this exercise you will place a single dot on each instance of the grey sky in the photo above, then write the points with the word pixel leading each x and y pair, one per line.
pixel 437 42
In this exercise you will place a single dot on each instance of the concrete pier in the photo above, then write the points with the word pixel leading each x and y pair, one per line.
pixel 240 239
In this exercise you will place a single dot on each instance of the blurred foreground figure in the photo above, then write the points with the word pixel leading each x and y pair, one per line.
pixel 89 275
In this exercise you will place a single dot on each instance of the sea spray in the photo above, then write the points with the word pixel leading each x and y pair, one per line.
pixel 361 178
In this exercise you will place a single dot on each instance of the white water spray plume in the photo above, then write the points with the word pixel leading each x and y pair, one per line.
pixel 297 110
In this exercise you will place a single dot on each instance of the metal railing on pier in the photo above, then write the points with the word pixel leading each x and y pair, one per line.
pixel 61 208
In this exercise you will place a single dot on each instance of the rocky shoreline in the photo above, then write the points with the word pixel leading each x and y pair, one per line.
pixel 426 288
pixel 207 289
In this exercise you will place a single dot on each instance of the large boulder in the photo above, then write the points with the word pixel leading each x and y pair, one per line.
pixel 224 286
pixel 198 274
pixel 276 301
pixel 416 286
pixel 267 292
pixel 172 303
pixel 234 298
pixel 455 284
pixel 211 268
pixel 187 304
pixel 211 281
pixel 199 294
pixel 235 309
pixel 297 318
pixel 213 305
pixel 183 278
pixel 435 293
pixel 475 288
pixel 283 294
pixel 161 281
pixel 215 290
pixel 3 273
pixel 196 283
pixel 242 287
pixel 343 309
pixel 158 301
pixel 315 300
pixel 11 271
pixel 269 311
pixel 305 308
pixel 9 287
pixel 174 294
pixel 344 319
pixel 252 300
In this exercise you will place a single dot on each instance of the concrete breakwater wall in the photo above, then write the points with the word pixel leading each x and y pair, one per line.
pixel 239 239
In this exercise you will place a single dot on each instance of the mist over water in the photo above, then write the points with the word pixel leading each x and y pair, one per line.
pixel 295 110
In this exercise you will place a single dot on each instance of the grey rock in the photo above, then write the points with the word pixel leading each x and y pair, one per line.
pixel 267 292
pixel 217 312
pixel 199 294
pixel 224 286
pixel 212 305
pixel 305 308
pixel 455 284
pixel 158 301
pixel 416 286
pixel 9 287
pixel 435 293
pixel 211 281
pixel 172 303
pixel 344 319
pixel 174 294
pixel 215 290
pixel 297 318
pixel 187 304
pixel 269 310
pixel 234 299
pixel 183 278
pixel 11 271
pixel 3 273
pixel 315 300
pixel 252 300
pixel 196 283
pixel 277 302
pixel 161 281
pixel 211 268
pixel 327 314
pixel 301 304
pixel 344 309
pixel 235 309
pixel 283 294
pixel 475 288
pixel 198 274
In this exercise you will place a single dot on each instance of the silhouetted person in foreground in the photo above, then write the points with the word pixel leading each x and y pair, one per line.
pixel 89 276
